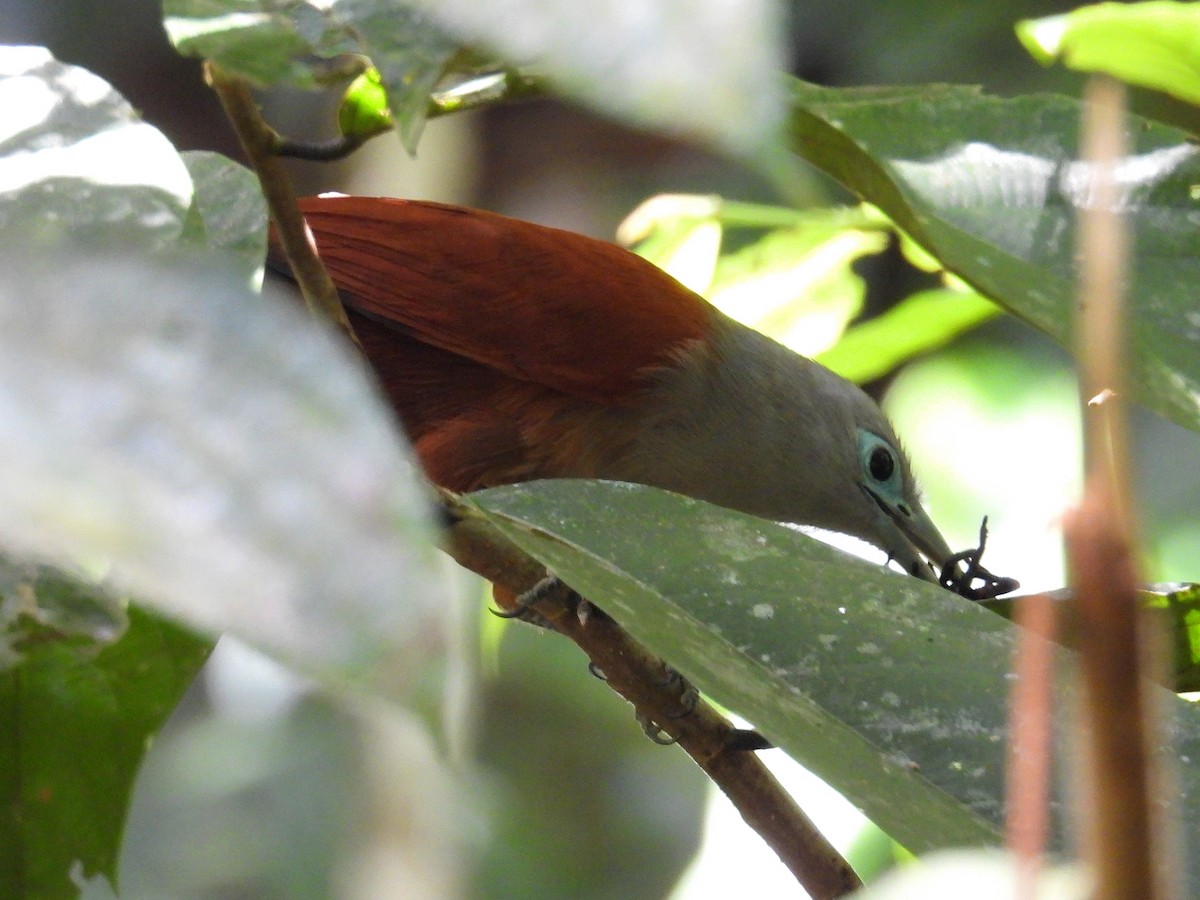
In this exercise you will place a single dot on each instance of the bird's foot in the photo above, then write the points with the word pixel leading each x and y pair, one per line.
pixel 687 700
pixel 523 608
pixel 738 740
pixel 962 582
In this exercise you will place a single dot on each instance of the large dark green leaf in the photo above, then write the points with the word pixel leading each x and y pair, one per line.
pixel 78 716
pixel 891 689
pixel 990 186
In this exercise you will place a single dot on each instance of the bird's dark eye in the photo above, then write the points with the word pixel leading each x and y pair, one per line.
pixel 881 464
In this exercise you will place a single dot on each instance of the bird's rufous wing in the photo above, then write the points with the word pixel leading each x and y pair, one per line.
pixel 537 304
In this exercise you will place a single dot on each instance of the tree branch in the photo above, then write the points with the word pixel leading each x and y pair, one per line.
pixel 259 141
pixel 638 676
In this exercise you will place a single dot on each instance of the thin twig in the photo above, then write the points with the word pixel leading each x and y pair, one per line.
pixel 508 85
pixel 330 150
pixel 1119 822
pixel 258 140
pixel 706 736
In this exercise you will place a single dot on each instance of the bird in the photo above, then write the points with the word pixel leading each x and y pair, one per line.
pixel 514 352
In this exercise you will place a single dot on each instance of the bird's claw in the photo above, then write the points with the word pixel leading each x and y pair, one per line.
pixel 523 610
pixel 689 697
pixel 962 581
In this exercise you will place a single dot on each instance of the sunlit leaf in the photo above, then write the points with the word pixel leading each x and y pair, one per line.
pixel 682 233
pixel 921 322
pixel 794 282
pixel 687 249
pixel 77 159
pixel 797 284
pixel 990 187
pixel 1150 44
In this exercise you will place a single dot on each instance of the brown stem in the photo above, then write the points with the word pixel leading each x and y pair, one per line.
pixel 318 151
pixel 1119 819
pixel 259 141
pixel 1030 753
pixel 705 735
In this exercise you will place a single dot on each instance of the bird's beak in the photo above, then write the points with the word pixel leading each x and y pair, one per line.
pixel 912 538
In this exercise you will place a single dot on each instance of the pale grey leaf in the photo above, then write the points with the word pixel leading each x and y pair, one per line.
pixel 225 458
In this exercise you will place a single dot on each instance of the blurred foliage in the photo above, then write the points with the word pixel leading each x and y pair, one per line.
pixel 582 804
pixel 246 807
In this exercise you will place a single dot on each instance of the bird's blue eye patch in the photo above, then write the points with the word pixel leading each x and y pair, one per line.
pixel 881 471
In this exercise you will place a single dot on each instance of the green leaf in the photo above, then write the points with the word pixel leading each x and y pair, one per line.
pixel 704 69
pixel 990 187
pixel 78 160
pixel 921 322
pixel 1152 44
pixel 891 689
pixel 860 674
pixel 78 716
pixel 1175 609
pixel 797 284
pixel 228 210
pixel 270 43
pixel 1179 605
pixel 261 44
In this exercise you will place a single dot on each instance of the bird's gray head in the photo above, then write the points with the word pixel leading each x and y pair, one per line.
pixel 871 474
pixel 748 424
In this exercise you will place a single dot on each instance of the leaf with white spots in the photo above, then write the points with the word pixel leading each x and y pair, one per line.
pixel 892 690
